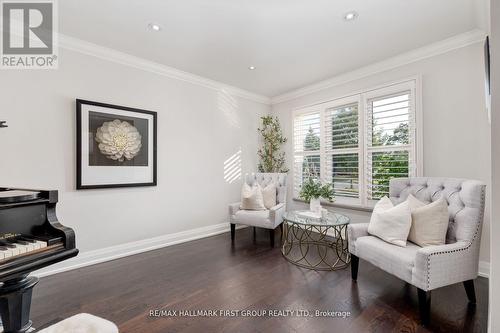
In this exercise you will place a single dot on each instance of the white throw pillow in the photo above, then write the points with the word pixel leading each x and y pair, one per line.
pixel 390 223
pixel 269 195
pixel 251 197
pixel 414 203
pixel 429 222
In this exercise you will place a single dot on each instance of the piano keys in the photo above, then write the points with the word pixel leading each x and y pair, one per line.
pixel 14 245
pixel 31 237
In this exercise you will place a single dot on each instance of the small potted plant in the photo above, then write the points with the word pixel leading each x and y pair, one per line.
pixel 313 190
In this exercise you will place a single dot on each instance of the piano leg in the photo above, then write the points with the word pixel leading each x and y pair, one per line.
pixel 15 303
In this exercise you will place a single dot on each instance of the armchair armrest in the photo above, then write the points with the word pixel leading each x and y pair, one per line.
pixel 442 265
pixel 354 231
pixel 233 208
pixel 276 214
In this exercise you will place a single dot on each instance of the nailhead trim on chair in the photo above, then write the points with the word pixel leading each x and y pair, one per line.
pixel 478 225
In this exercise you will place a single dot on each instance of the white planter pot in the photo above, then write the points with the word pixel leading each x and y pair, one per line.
pixel 315 205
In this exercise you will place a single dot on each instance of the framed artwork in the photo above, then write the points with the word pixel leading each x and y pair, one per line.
pixel 115 145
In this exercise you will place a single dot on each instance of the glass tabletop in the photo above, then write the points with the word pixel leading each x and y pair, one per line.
pixel 306 217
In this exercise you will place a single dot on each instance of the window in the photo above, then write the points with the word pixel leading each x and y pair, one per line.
pixel 342 149
pixel 306 139
pixel 358 143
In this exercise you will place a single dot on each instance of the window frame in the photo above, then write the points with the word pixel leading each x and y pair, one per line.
pixel 412 84
pixel 324 152
pixel 302 112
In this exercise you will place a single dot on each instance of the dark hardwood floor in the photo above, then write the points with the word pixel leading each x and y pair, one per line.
pixel 210 274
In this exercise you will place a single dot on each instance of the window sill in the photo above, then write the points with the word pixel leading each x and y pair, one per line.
pixel 340 205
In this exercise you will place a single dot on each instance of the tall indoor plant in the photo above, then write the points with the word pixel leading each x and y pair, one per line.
pixel 271 158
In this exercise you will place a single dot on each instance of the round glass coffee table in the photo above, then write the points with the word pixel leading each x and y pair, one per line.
pixel 315 242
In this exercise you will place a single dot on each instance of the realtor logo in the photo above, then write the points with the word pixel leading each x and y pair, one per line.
pixel 28 35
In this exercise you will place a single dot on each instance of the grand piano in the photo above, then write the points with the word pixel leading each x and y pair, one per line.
pixel 31 238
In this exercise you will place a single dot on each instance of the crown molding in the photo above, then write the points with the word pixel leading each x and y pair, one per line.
pixel 98 51
pixel 431 50
pixel 447 45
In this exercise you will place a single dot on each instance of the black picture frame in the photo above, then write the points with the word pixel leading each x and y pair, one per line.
pixel 79 185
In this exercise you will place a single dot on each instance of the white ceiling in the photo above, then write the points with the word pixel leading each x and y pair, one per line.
pixel 291 42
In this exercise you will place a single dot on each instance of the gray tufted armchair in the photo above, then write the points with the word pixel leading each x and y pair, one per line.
pixel 429 267
pixel 268 219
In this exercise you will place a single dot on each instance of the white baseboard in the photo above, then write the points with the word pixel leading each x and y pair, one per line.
pixel 128 249
pixel 484 269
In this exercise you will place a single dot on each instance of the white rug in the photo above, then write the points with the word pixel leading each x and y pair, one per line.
pixel 82 323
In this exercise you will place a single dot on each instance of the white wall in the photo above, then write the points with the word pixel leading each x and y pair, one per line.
pixel 456 129
pixel 198 129
pixel 495 156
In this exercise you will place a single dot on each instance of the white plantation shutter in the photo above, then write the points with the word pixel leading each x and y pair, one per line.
pixel 358 143
pixel 341 128
pixel 390 141
pixel 306 143
pixel 343 171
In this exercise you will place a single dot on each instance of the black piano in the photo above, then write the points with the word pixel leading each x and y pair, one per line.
pixel 31 238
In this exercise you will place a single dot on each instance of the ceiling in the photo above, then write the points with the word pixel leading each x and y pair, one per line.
pixel 292 43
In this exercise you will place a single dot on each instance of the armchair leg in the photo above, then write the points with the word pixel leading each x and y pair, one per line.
pixel 233 231
pixel 424 304
pixel 271 235
pixel 469 289
pixel 354 267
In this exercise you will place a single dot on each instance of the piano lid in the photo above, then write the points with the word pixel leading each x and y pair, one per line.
pixel 13 196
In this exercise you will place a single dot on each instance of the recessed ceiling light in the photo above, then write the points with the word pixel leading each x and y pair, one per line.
pixel 252 68
pixel 350 16
pixel 154 27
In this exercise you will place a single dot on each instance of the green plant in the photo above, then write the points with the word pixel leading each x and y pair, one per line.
pixel 312 188
pixel 271 159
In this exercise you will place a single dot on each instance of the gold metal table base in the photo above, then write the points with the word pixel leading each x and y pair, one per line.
pixel 317 247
